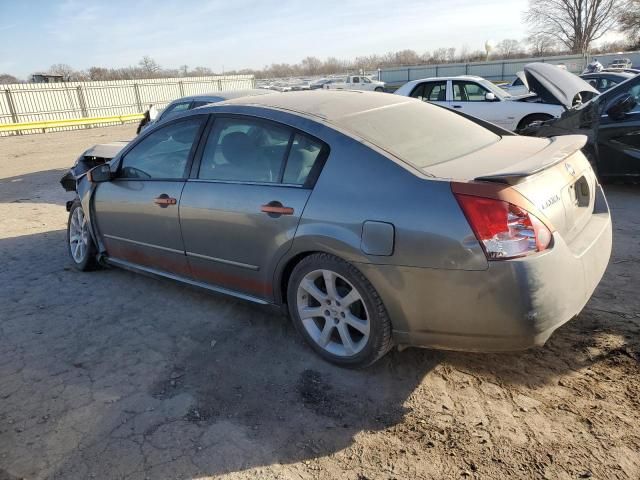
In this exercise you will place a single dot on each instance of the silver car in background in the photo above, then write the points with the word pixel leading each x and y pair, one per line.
pixel 375 219
pixel 194 101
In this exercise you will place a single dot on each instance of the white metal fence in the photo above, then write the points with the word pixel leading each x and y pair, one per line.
pixel 495 70
pixel 38 102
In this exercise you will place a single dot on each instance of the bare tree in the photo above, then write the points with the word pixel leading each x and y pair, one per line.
pixel 630 20
pixel 541 44
pixel 508 48
pixel 6 78
pixel 67 71
pixel 149 66
pixel 311 65
pixel 574 23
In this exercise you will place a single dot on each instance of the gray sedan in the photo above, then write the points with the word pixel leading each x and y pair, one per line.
pixel 375 220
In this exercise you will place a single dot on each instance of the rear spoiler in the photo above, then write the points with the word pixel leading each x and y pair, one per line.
pixel 558 150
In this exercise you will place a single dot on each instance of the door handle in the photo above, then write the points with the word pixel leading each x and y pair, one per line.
pixel 164 200
pixel 457 106
pixel 276 208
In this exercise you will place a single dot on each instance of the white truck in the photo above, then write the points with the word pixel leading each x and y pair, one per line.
pixel 356 82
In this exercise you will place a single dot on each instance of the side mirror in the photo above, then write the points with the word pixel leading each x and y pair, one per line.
pixel 490 97
pixel 621 106
pixel 101 173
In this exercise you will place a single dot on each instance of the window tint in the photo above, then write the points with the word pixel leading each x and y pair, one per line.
pixel 418 92
pixel 517 82
pixel 175 109
pixel 468 92
pixel 244 150
pixel 356 79
pixel 302 157
pixel 634 91
pixel 163 153
pixel 431 92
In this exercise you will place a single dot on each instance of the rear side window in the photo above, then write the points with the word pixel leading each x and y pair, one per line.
pixel 431 92
pixel 303 156
pixel 246 150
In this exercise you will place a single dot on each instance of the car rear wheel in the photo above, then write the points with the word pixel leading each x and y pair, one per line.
pixel 338 311
pixel 80 244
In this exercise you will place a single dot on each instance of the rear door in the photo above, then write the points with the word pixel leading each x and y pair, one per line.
pixel 619 140
pixel 241 206
pixel 137 212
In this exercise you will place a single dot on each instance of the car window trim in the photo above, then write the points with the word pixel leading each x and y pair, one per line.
pixel 203 121
pixel 309 183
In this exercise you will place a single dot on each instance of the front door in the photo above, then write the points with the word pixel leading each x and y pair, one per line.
pixel 619 140
pixel 470 97
pixel 241 207
pixel 137 212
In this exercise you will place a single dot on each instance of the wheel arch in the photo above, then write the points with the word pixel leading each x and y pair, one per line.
pixel 523 121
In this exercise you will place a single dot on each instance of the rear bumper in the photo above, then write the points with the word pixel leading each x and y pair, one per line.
pixel 512 305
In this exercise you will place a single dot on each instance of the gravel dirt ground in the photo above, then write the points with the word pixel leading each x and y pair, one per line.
pixel 114 375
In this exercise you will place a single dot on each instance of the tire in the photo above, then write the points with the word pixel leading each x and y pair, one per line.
pixel 79 242
pixel 535 117
pixel 354 334
pixel 379 89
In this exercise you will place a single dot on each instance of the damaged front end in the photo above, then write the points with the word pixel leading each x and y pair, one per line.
pixel 96 155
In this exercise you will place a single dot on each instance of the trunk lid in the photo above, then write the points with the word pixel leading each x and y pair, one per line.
pixel 552 174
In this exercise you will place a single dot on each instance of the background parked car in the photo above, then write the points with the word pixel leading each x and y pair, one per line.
pixel 604 80
pixel 518 86
pixel 611 121
pixel 187 103
pixel 356 82
pixel 620 63
pixel 556 90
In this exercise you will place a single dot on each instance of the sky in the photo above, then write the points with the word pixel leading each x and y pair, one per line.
pixel 235 34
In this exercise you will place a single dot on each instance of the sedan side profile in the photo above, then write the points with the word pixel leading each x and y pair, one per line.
pixel 375 220
pixel 556 90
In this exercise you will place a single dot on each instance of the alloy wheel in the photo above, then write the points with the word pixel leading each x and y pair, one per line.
pixel 78 235
pixel 333 313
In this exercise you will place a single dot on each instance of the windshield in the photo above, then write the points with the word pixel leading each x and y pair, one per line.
pixel 497 91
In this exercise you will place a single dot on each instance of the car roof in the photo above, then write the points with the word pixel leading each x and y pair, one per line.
pixel 328 105
pixel 440 79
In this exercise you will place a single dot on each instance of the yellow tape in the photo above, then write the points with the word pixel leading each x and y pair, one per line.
pixel 9 127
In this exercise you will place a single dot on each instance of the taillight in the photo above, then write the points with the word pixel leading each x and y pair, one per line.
pixel 503 229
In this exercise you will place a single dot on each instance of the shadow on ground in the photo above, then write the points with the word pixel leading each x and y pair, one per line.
pixel 37 187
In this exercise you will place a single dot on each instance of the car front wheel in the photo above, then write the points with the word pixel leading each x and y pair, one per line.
pixel 338 311
pixel 80 244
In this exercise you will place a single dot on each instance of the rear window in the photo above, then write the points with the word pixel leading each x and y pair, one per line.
pixel 418 133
